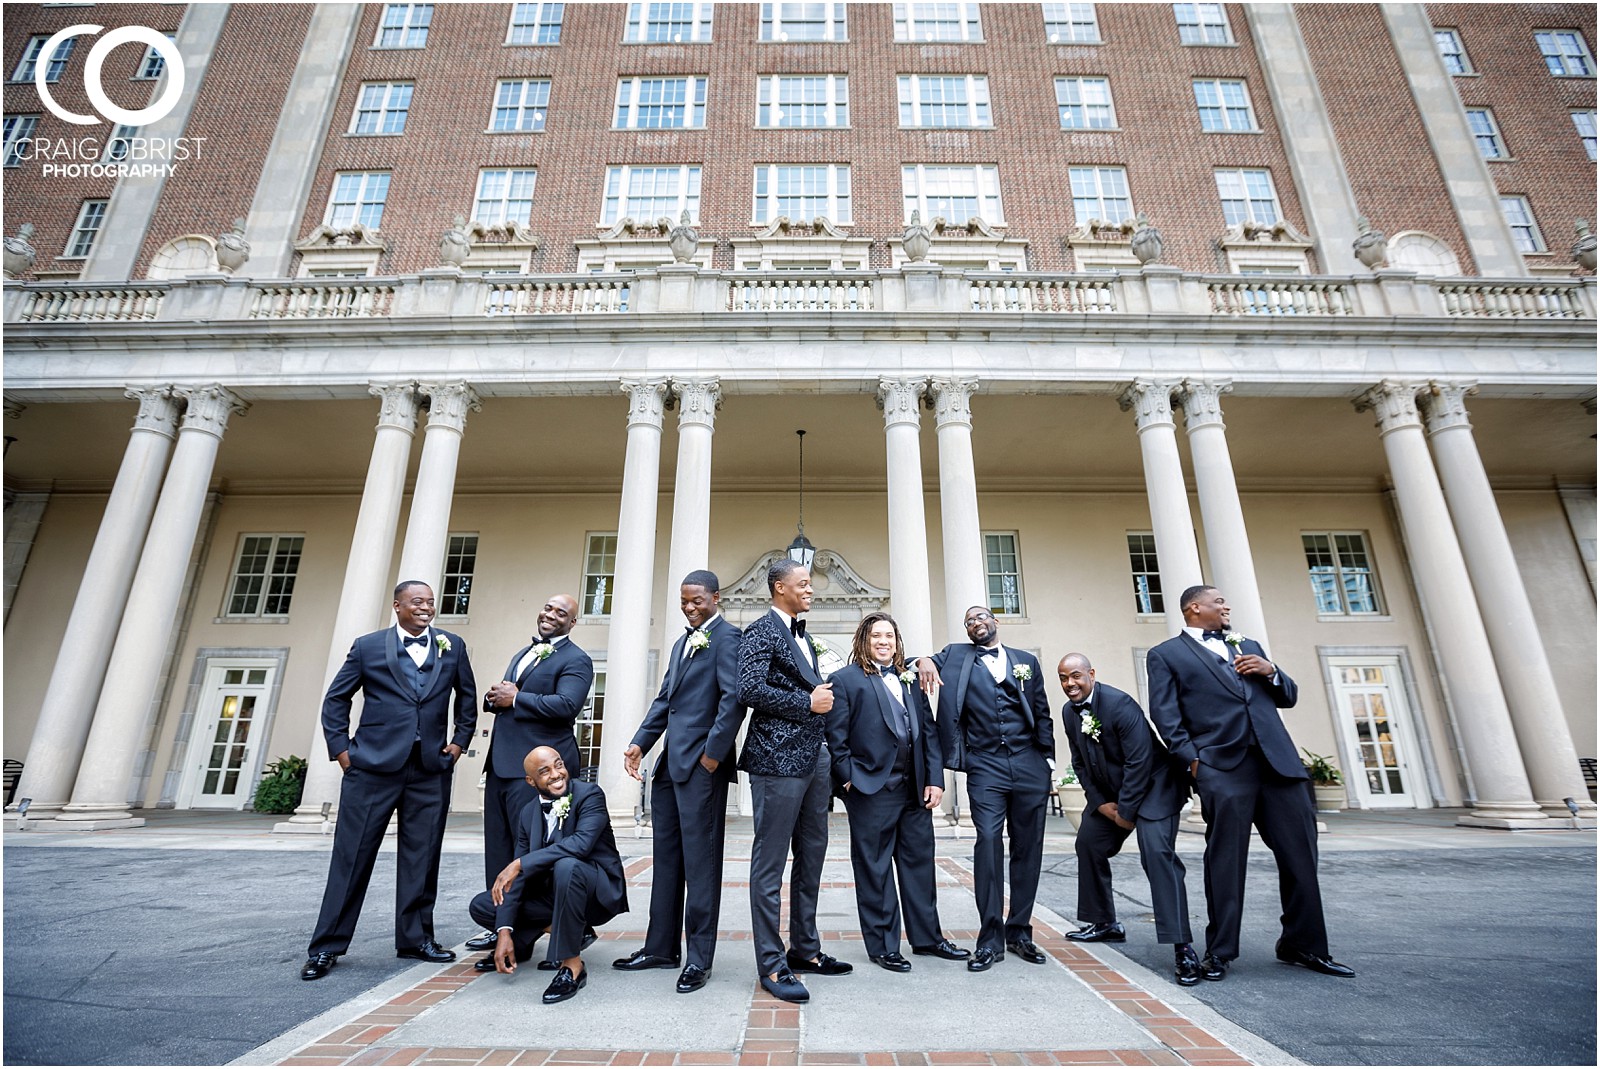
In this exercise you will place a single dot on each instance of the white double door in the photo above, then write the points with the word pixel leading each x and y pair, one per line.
pixel 1375 727
pixel 228 734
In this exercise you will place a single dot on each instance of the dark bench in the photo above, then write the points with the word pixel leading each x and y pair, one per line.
pixel 13 771
pixel 1585 763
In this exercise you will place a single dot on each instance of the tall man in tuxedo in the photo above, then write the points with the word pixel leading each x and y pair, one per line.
pixel 780 679
pixel 885 753
pixel 698 709
pixel 1131 785
pixel 418 714
pixel 565 878
pixel 994 725
pixel 1215 697
pixel 536 704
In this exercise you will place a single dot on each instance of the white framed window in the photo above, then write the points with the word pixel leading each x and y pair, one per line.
pixel 1519 217
pixel 1202 24
pixel 1486 132
pixel 404 26
pixel 651 193
pixel 589 727
pixel 1452 51
pixel 801 191
pixel 520 106
pixel 1247 196
pixel 153 63
pixel 357 197
pixel 1085 104
pixel 803 100
pixel 381 108
pixel 1583 122
pixel 1100 193
pixel 937 101
pixel 30 59
pixel 460 561
pixel 535 24
pixel 1146 569
pixel 1343 580
pixel 661 103
pixel 90 218
pixel 263 577
pixel 1224 106
pixel 599 572
pixel 937 22
pixel 1071 24
pixel 1002 568
pixel 1565 53
pixel 120 142
pixel 954 192
pixel 675 23
pixel 504 196
pixel 19 135
pixel 803 22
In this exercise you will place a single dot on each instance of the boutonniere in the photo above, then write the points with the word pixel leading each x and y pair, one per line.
pixel 1089 726
pixel 908 677
pixel 442 642
pixel 1234 639
pixel 698 640
pixel 541 651
pixel 562 807
pixel 1022 672
pixel 816 646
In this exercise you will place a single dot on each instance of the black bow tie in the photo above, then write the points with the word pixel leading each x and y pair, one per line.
pixel 1080 707
pixel 546 803
pixel 417 640
pixel 1213 634
pixel 797 627
pixel 988 651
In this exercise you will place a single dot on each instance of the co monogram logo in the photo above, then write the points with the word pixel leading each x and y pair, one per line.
pixel 91 75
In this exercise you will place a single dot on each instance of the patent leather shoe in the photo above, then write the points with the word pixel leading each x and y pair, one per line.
pixel 564 986
pixel 786 987
pixel 317 966
pixel 1186 966
pixel 1314 962
pixel 427 950
pixel 983 958
pixel 482 942
pixel 639 961
pixel 693 978
pixel 825 965
pixel 892 962
pixel 944 949
pixel 1213 968
pixel 1025 949
pixel 1099 933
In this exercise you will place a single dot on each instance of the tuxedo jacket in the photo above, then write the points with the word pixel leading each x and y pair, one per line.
pixel 697 705
pixel 444 710
pixel 776 682
pixel 1206 710
pixel 550 694
pixel 861 741
pixel 585 834
pixel 1128 765
pixel 956 663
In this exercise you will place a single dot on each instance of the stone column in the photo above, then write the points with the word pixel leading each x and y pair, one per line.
pixel 1233 568
pixel 901 401
pixel 69 702
pixel 1499 781
pixel 628 688
pixel 965 584
pixel 364 599
pixel 1176 551
pixel 1527 682
pixel 428 526
pixel 24 513
pixel 697 402
pixel 100 795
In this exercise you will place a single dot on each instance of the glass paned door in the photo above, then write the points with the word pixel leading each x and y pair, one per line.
pixel 222 774
pixel 1376 727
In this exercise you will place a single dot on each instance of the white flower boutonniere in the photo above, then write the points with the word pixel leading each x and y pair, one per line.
pixel 1234 639
pixel 562 807
pixel 1022 672
pixel 908 677
pixel 541 651
pixel 442 642
pixel 817 647
pixel 1090 726
pixel 698 640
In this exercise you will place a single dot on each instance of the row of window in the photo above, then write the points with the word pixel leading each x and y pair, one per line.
pixel 1343 581
pixel 150 66
pixel 1492 146
pixel 1565 53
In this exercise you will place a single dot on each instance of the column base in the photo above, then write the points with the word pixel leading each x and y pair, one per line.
pixel 1530 819
pixel 15 821
pixel 316 827
pixel 90 822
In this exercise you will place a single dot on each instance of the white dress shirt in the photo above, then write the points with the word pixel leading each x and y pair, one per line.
pixel 802 643
pixel 418 654
pixel 527 658
pixel 892 682
pixel 705 627
pixel 996 664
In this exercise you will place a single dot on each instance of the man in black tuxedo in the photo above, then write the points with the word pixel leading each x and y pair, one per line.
pixel 994 725
pixel 885 753
pixel 536 704
pixel 566 877
pixel 418 714
pixel 1132 785
pixel 780 679
pixel 698 709
pixel 1215 697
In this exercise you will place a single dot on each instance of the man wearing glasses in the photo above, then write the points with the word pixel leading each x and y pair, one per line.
pixel 994 725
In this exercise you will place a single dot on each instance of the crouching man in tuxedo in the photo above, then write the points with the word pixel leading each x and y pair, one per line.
pixel 567 874
pixel 1132 786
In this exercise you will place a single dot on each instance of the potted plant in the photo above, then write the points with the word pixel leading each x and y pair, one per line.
pixel 280 787
pixel 1327 784
pixel 1073 796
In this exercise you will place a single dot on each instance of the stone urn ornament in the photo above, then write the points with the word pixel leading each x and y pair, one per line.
pixel 1583 250
pixel 1146 242
pixel 232 249
pixel 20 252
pixel 455 245
pixel 1370 246
pixel 916 240
pixel 683 239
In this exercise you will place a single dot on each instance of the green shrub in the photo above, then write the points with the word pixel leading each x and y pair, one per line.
pixel 279 789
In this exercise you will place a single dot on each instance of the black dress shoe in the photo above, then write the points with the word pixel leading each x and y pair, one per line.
pixel 1099 933
pixel 693 978
pixel 983 958
pixel 589 936
pixel 639 961
pixel 1213 967
pixel 786 987
pixel 427 951
pixel 944 949
pixel 485 941
pixel 564 986
pixel 1186 966
pixel 317 966
pixel 1314 962
pixel 1024 949
pixel 825 965
pixel 892 962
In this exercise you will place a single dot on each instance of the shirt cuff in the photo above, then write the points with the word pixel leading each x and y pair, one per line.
pixel 503 928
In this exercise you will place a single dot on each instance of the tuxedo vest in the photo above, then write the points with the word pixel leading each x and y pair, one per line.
pixel 992 717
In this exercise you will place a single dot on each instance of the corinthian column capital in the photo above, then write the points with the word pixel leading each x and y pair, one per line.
pixel 646 401
pixel 697 401
pixel 901 401
pixel 1444 405
pixel 208 407
pixel 399 404
pixel 449 403
pixel 1202 402
pixel 158 409
pixel 952 401
pixel 1150 400
pixel 1394 402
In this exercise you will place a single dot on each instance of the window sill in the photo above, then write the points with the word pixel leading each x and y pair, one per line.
pixel 352 133
pixel 396 48
pixel 1257 131
pixel 1149 617
pixel 1467 74
pixel 1353 618
pixel 1091 129
pixel 798 129
pixel 1500 159
pixel 945 129
pixel 806 41
pixel 1209 44
pixel 249 619
pixel 492 133
pixel 531 44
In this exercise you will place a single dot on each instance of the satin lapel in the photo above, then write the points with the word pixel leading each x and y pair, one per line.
pixel 515 657
pixel 392 656
pixel 1222 671
pixel 963 676
pixel 537 664
pixel 885 703
pixel 439 660
pixel 675 669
